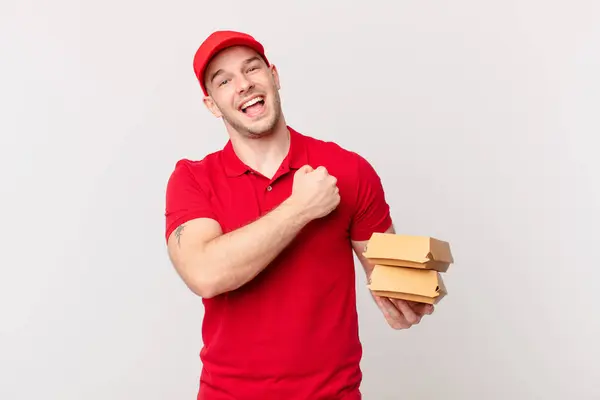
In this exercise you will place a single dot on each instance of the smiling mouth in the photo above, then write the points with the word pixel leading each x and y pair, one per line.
pixel 253 106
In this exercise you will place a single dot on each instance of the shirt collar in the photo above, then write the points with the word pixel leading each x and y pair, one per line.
pixel 297 156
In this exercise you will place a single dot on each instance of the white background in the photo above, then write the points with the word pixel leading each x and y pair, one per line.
pixel 481 118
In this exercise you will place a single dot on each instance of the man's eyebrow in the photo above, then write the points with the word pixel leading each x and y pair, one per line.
pixel 251 59
pixel 246 62
pixel 214 74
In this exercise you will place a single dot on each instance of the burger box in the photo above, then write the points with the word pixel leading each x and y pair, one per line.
pixel 418 285
pixel 419 252
pixel 408 267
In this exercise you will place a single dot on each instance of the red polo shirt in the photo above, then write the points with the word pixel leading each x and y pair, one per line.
pixel 292 332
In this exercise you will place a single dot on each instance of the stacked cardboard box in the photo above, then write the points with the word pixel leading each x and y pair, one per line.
pixel 408 267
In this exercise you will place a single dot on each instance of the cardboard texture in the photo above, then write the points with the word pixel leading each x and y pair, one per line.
pixel 409 251
pixel 408 267
pixel 419 285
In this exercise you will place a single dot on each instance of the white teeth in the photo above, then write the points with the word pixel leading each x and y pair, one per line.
pixel 251 102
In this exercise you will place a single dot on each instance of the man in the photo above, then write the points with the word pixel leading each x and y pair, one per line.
pixel 264 231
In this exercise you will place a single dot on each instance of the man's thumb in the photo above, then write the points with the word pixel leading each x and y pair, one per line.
pixel 305 169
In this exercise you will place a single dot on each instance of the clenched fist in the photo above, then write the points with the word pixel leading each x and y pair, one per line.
pixel 315 192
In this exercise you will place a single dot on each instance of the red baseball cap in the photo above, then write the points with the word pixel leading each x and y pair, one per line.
pixel 218 41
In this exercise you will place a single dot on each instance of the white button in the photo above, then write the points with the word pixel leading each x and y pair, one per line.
pixel 269 188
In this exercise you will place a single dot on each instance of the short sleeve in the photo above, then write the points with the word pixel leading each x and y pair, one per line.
pixel 185 199
pixel 372 212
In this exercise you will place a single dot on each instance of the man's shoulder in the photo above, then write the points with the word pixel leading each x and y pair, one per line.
pixel 334 154
pixel 330 148
pixel 195 172
pixel 199 166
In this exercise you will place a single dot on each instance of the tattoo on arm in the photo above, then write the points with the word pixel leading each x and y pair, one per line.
pixel 178 233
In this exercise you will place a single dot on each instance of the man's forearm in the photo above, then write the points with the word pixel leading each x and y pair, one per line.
pixel 233 259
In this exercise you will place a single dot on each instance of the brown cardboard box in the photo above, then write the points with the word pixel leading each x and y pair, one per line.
pixel 409 251
pixel 408 267
pixel 419 285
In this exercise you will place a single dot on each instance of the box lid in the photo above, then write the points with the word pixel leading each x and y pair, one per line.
pixel 419 249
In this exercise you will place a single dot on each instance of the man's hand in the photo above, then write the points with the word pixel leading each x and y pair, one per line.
pixel 314 192
pixel 401 314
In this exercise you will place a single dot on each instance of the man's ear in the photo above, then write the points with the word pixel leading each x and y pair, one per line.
pixel 275 73
pixel 212 107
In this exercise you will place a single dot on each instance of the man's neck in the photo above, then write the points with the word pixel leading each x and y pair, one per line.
pixel 263 154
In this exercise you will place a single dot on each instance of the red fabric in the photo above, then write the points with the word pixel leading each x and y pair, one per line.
pixel 218 41
pixel 292 332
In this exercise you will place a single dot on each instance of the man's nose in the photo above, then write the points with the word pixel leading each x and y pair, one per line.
pixel 244 84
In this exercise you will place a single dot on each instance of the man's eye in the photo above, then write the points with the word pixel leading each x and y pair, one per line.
pixel 224 81
pixel 252 69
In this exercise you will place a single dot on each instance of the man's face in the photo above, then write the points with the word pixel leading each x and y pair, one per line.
pixel 244 91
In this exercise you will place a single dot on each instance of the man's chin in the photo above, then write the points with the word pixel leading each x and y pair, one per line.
pixel 259 131
pixel 255 129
